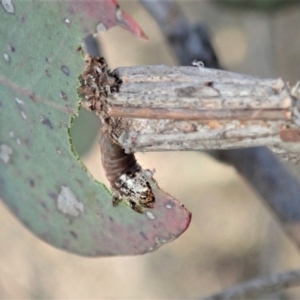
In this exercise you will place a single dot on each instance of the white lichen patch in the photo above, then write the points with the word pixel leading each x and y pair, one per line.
pixel 6 57
pixel 5 153
pixel 8 6
pixel 18 141
pixel 11 134
pixel 68 204
pixel 23 115
pixel 119 16
pixel 67 21
pixel 19 101
pixel 101 27
pixel 150 215
pixel 159 241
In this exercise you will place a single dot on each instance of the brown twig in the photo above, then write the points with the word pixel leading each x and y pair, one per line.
pixel 258 287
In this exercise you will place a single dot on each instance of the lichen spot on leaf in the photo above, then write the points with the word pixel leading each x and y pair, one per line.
pixel 5 153
pixel 68 204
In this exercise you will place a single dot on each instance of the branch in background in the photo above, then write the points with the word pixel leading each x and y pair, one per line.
pixel 286 188
pixel 188 42
pixel 286 204
pixel 258 287
pixel 92 45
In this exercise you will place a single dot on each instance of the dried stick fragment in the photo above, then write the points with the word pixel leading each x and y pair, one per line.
pixel 198 88
pixel 259 287
pixel 190 108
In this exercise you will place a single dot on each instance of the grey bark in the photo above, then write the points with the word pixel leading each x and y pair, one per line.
pixel 260 286
pixel 194 108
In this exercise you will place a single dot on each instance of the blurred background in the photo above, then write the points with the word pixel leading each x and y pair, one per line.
pixel 232 237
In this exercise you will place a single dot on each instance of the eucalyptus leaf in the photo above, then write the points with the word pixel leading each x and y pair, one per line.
pixel 42 180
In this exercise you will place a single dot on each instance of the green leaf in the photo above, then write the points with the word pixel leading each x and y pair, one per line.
pixel 41 181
